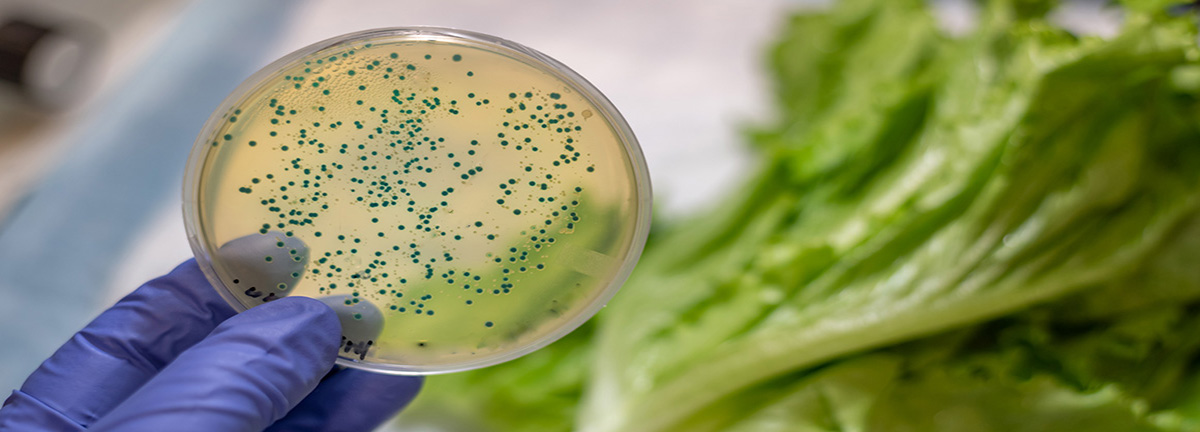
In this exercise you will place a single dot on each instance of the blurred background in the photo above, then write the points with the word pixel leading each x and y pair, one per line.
pixel 100 102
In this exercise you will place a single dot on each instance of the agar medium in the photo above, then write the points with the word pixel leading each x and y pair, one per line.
pixel 458 199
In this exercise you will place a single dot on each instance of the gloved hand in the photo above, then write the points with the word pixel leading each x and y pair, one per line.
pixel 173 356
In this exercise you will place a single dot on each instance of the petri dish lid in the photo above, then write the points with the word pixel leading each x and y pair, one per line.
pixel 458 199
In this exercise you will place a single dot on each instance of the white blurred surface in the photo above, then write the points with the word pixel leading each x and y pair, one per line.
pixel 127 30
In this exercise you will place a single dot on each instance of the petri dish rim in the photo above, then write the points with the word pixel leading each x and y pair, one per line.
pixel 533 58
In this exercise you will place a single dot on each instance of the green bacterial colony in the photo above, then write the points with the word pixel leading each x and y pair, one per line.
pixel 468 201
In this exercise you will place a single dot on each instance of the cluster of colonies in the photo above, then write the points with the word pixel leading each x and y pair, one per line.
pixel 393 163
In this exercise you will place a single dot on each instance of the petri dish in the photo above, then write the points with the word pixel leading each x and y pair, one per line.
pixel 458 199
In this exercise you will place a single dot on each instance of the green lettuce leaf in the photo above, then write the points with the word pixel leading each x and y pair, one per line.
pixel 991 232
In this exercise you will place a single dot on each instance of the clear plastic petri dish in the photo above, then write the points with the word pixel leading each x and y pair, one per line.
pixel 458 199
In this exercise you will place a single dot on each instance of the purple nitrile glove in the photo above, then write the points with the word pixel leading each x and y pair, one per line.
pixel 173 356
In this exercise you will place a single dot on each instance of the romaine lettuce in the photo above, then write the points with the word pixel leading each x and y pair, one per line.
pixel 999 231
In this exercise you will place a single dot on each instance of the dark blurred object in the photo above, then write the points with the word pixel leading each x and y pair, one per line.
pixel 44 65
